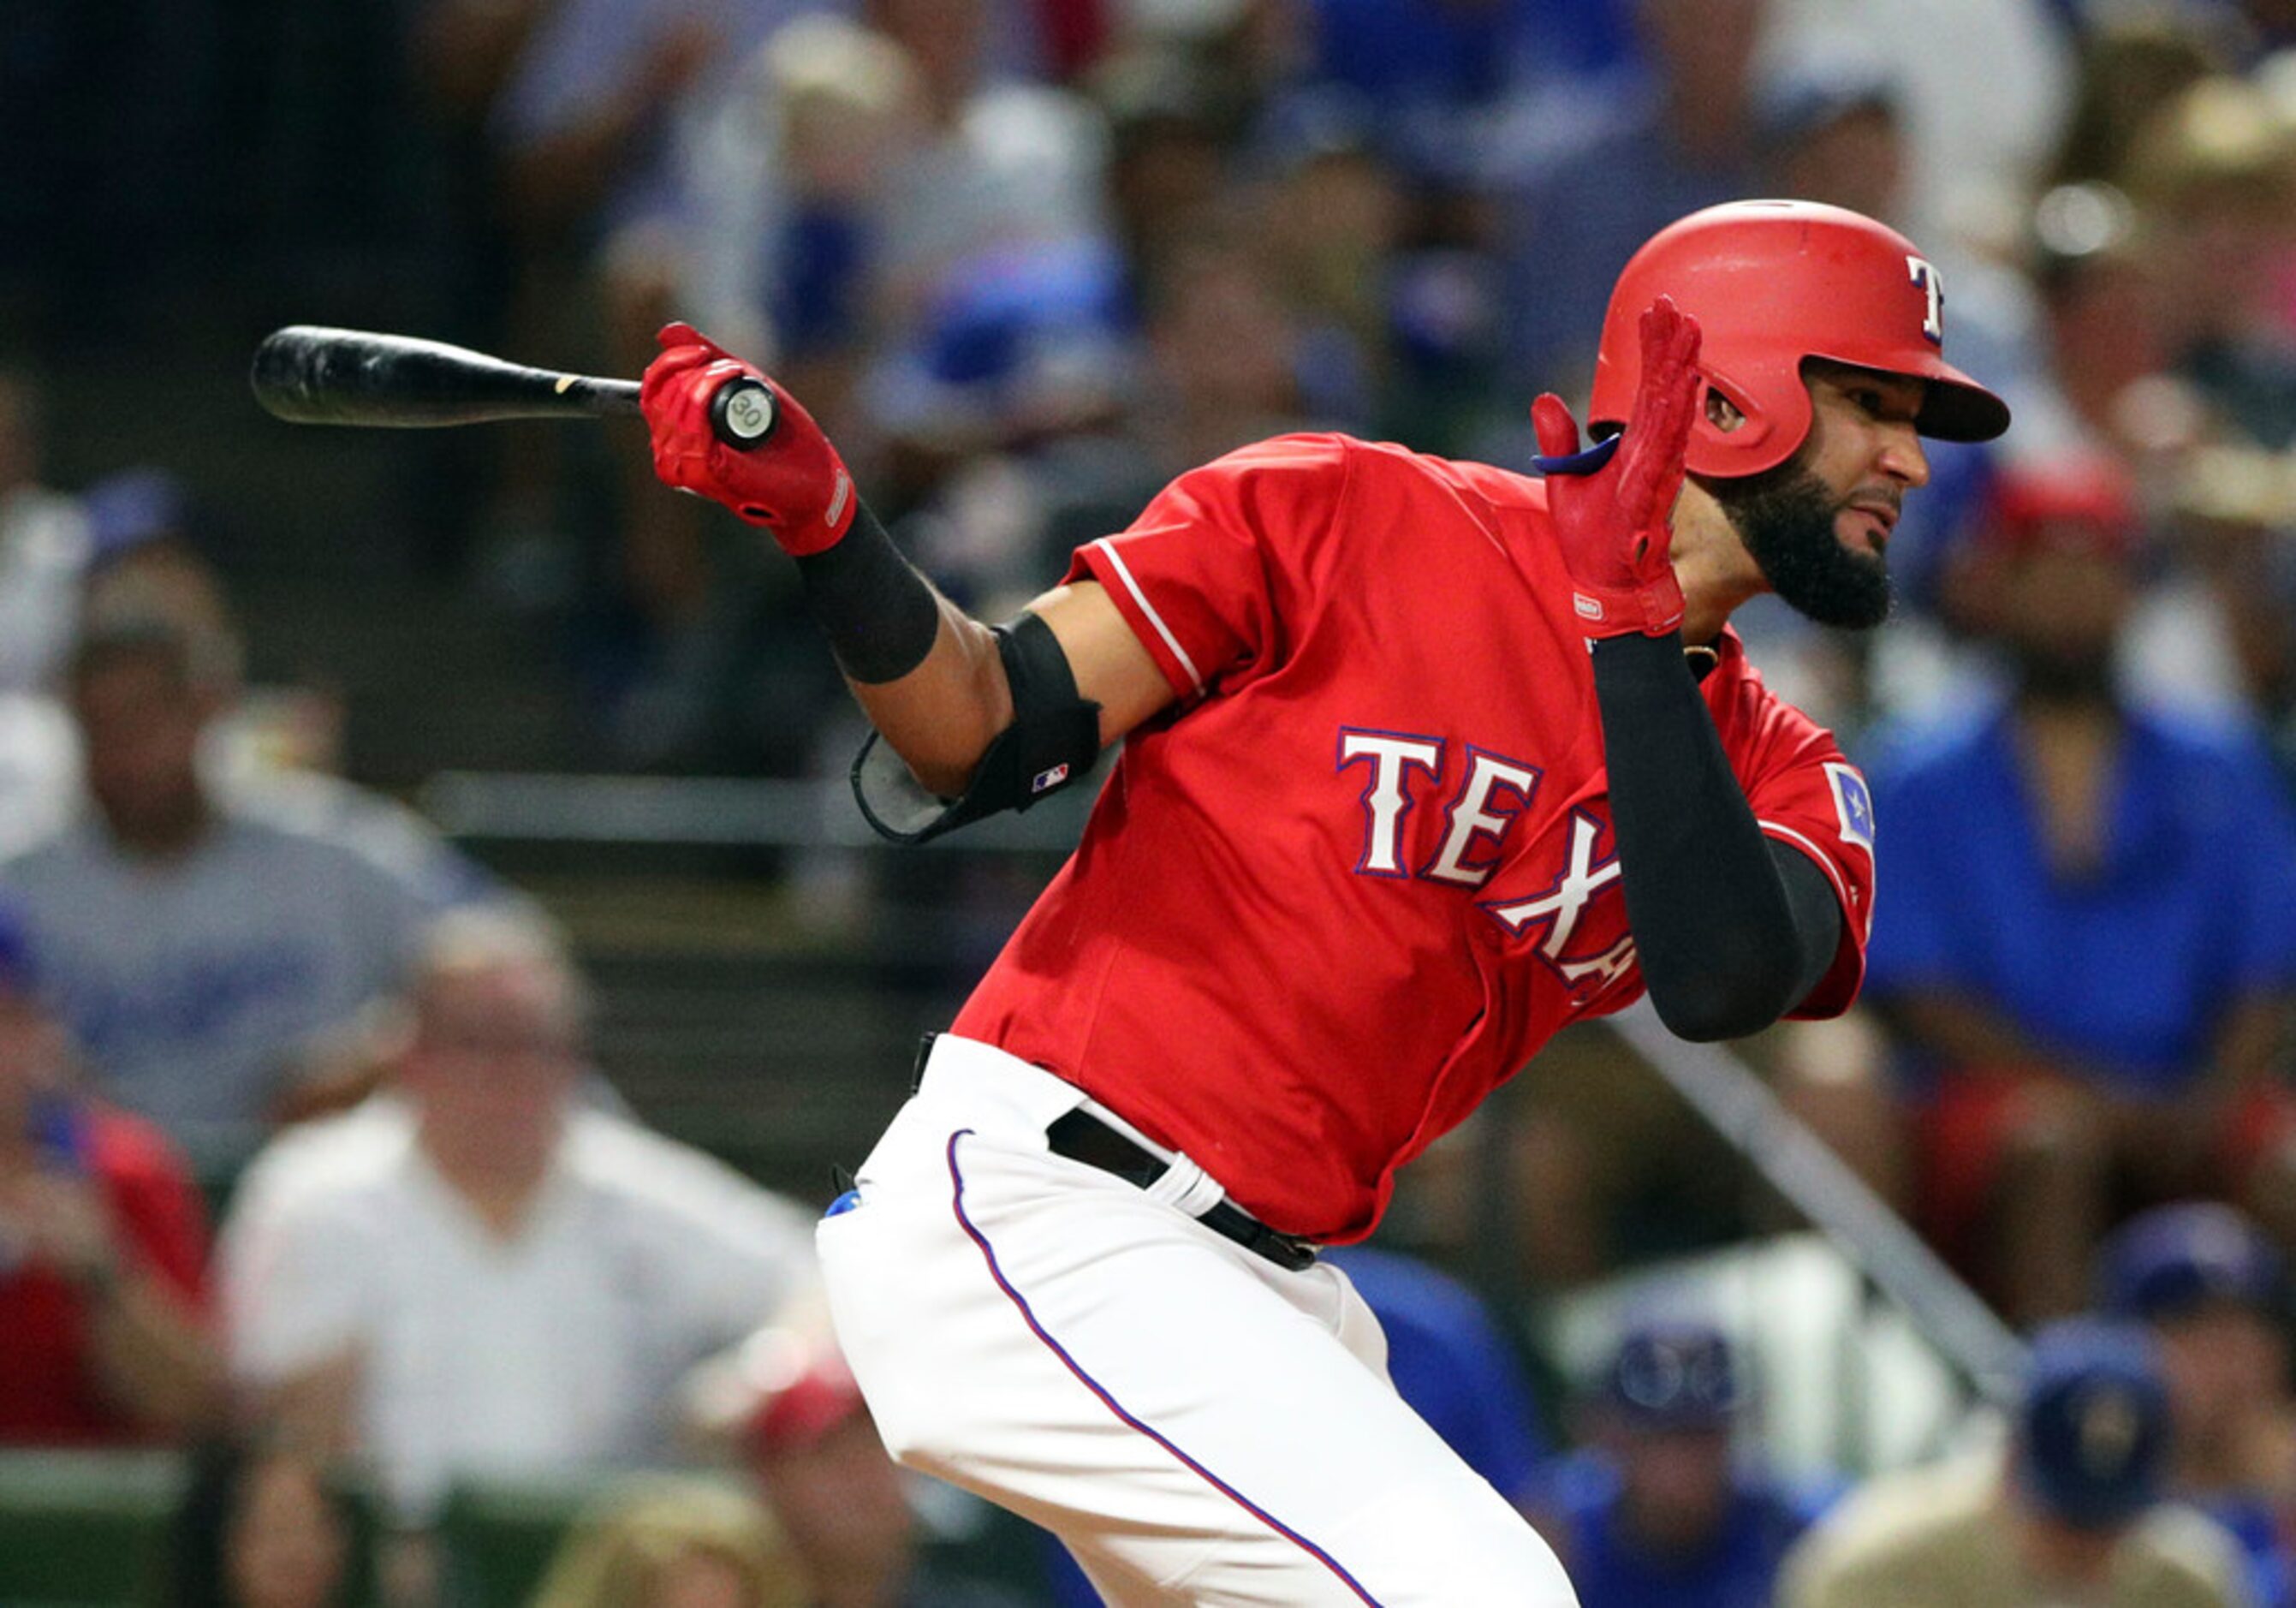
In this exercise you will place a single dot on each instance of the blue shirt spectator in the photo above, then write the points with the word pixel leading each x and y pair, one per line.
pixel 1656 1511
pixel 1736 1568
pixel 1461 52
pixel 2213 1291
pixel 1451 1362
pixel 205 940
pixel 2089 939
pixel 2192 903
pixel 1436 69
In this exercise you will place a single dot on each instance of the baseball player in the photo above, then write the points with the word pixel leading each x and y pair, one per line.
pixel 1424 760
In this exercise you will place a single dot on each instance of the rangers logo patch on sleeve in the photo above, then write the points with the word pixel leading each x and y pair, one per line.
pixel 1852 804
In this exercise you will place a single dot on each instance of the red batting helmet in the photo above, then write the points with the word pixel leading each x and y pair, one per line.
pixel 1772 283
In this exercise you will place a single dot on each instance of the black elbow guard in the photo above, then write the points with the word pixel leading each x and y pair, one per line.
pixel 1052 743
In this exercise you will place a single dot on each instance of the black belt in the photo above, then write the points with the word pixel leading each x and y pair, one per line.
pixel 1081 1137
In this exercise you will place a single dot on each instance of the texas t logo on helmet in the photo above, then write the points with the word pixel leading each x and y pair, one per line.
pixel 1770 283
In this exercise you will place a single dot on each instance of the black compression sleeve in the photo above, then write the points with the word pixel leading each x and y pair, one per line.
pixel 1731 936
pixel 879 614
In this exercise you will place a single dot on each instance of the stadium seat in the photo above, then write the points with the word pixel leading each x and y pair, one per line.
pixel 496 1539
pixel 86 1526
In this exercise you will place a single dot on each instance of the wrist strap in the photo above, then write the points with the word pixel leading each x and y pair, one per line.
pixel 1652 609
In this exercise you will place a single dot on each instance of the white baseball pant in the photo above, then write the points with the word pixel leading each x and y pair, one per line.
pixel 1196 1423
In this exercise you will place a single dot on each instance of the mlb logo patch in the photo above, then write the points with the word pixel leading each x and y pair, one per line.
pixel 1852 804
pixel 1047 780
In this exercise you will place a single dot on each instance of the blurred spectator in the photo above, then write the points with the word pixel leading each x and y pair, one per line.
pixel 142 545
pixel 597 97
pixel 104 1249
pixel 1436 66
pixel 474 1274
pixel 1595 176
pixel 602 107
pixel 44 552
pixel 2243 32
pixel 2103 331
pixel 674 1543
pixel 203 942
pixel 2218 631
pixel 776 242
pixel 2071 1513
pixel 2131 65
pixel 2214 1294
pixel 1657 1512
pixel 44 547
pixel 1336 217
pixel 1608 1166
pixel 1981 117
pixel 1020 349
pixel 1833 130
pixel 149 542
pixel 1451 1361
pixel 262 1526
pixel 2214 175
pixel 1006 163
pixel 141 538
pixel 2090 941
pixel 1223 355
pixel 842 174
pixel 785 1404
pixel 786 245
pixel 1168 154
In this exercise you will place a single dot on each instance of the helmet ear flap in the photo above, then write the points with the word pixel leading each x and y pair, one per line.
pixel 1733 426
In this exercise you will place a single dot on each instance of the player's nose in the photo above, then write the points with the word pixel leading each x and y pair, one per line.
pixel 1900 456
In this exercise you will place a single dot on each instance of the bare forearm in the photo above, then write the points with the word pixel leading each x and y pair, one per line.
pixel 941 715
pixel 154 1356
pixel 2250 1041
pixel 315 1409
pixel 1961 1030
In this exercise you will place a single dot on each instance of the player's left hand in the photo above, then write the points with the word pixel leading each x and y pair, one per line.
pixel 1610 505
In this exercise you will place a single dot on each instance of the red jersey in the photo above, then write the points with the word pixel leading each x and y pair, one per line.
pixel 49 1392
pixel 1362 870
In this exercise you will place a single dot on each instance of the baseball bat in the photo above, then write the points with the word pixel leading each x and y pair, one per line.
pixel 311 374
pixel 1737 1104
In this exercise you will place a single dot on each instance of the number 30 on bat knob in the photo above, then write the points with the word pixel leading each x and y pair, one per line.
pixel 742 412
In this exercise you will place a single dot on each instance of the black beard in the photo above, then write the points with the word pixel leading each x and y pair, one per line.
pixel 1786 517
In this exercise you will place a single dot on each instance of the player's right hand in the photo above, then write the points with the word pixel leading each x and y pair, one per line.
pixel 1610 505
pixel 793 483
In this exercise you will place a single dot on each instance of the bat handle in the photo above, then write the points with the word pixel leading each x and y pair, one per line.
pixel 742 412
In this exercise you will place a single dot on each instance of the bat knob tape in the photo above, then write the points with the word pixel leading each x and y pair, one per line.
pixel 742 413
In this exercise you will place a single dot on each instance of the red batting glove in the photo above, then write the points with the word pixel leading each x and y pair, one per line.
pixel 792 482
pixel 1611 506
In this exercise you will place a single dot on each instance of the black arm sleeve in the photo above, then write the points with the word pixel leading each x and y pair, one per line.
pixel 878 612
pixel 1732 931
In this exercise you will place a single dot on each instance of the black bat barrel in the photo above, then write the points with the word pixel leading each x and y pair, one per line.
pixel 310 374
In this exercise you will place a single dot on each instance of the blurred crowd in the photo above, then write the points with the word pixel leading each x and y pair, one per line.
pixel 1027 259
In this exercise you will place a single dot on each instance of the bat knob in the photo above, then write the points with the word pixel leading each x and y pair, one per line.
pixel 742 412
